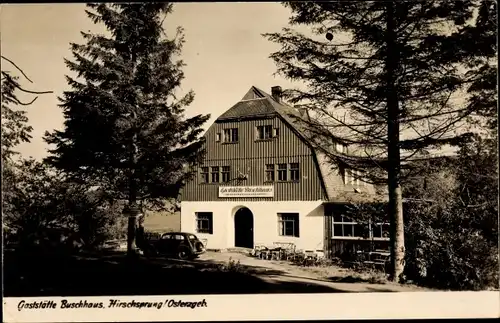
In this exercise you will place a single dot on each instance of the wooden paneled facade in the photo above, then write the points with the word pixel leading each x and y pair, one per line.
pixel 249 156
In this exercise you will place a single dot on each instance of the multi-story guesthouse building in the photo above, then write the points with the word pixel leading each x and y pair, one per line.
pixel 262 182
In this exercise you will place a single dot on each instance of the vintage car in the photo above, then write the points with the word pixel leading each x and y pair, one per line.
pixel 181 245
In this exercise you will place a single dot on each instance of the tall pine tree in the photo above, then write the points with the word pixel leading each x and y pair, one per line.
pixel 385 82
pixel 125 125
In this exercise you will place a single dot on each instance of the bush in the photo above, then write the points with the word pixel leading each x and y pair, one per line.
pixel 232 266
pixel 440 257
pixel 46 212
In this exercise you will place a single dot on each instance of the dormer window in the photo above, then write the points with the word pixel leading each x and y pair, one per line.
pixel 231 135
pixel 353 177
pixel 341 148
pixel 266 132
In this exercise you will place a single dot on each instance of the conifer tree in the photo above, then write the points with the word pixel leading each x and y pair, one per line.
pixel 125 125
pixel 387 82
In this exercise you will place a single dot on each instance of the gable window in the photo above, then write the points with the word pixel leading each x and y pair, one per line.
pixel 294 172
pixel 204 222
pixel 288 224
pixel 217 137
pixel 282 172
pixel 204 174
pixel 226 174
pixel 276 132
pixel 215 174
pixel 264 132
pixel 269 172
pixel 231 135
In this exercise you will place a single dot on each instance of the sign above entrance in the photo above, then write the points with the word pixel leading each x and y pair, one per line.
pixel 246 191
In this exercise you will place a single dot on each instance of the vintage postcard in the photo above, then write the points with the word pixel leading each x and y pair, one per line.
pixel 249 161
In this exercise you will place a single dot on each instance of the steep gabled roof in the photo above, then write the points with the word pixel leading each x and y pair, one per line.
pixel 257 103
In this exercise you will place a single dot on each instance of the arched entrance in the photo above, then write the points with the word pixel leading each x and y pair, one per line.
pixel 243 228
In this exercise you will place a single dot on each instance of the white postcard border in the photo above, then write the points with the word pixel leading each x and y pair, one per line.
pixel 411 305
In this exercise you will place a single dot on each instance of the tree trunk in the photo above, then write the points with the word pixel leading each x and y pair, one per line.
pixel 394 164
pixel 132 204
pixel 131 245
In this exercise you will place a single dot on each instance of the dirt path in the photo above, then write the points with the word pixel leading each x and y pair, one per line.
pixel 284 272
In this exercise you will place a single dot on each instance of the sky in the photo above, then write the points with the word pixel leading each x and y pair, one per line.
pixel 224 54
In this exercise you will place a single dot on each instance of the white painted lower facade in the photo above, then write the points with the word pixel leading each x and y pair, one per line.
pixel 265 222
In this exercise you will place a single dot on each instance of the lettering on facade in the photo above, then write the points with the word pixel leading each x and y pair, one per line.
pixel 246 191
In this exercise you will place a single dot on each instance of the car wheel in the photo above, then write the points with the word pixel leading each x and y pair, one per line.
pixel 183 254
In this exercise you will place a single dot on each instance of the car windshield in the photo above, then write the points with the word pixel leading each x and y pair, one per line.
pixel 192 237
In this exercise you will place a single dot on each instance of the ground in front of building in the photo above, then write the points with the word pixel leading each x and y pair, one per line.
pixel 336 278
pixel 110 273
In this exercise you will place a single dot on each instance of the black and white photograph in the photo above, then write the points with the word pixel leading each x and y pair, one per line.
pixel 157 151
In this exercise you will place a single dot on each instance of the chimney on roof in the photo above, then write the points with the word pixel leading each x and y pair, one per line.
pixel 277 93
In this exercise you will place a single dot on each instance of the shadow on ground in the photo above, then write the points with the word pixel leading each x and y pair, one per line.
pixel 112 274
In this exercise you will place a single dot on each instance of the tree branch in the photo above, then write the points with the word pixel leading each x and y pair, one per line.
pixel 18 68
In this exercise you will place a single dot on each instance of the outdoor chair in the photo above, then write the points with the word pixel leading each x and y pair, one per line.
pixel 258 249
pixel 378 259
pixel 265 254
pixel 275 253
pixel 287 250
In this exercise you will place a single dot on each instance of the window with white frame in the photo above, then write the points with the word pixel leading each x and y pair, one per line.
pixel 347 228
pixel 264 132
pixel 380 230
pixel 204 175
pixel 288 224
pixel 354 177
pixel 341 148
pixel 204 222
pixel 269 172
pixel 215 174
pixel 282 172
pixel 344 228
pixel 226 174
pixel 231 135
pixel 294 172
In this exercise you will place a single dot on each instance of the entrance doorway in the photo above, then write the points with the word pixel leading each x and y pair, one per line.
pixel 243 228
